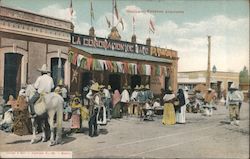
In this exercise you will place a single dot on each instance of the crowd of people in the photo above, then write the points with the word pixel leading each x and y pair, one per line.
pixel 99 104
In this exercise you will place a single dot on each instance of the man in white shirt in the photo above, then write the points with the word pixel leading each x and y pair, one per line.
pixel 124 100
pixel 107 100
pixel 43 84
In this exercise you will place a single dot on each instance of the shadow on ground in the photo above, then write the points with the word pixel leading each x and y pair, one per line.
pixel 18 142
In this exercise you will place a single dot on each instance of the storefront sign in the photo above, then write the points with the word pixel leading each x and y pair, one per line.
pixel 161 52
pixel 108 44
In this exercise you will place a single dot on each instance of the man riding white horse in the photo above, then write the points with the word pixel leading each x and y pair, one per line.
pixel 43 84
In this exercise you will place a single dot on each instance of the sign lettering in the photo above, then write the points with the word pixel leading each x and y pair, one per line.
pixel 109 44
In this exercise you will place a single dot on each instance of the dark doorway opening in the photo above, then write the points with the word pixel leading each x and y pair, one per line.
pixel 135 80
pixel 115 81
pixel 55 70
pixel 85 79
pixel 12 74
pixel 167 83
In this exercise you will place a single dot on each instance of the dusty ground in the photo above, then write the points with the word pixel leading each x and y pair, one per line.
pixel 200 137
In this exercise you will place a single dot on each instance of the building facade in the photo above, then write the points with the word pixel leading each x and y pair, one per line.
pixel 118 63
pixel 27 41
pixel 219 81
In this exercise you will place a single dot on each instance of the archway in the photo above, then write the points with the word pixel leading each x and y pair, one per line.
pixel 115 81
pixel 12 74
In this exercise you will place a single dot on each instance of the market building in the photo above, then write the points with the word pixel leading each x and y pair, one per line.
pixel 29 40
pixel 117 63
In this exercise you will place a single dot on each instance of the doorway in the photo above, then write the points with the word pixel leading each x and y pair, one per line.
pixel 115 81
pixel 55 72
pixel 12 74
pixel 167 83
pixel 135 80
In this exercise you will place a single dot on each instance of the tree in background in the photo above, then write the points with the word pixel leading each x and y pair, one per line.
pixel 244 77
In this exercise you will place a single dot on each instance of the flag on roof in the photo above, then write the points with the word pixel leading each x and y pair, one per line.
pixel 91 11
pixel 108 22
pixel 122 23
pixel 116 11
pixel 71 9
pixel 151 26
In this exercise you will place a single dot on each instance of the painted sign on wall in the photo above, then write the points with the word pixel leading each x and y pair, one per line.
pixel 109 44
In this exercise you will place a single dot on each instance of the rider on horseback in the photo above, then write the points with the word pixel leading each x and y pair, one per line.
pixel 43 84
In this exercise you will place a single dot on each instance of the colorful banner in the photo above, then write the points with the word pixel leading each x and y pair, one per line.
pixel 89 63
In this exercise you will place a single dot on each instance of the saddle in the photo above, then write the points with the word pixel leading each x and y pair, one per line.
pixel 40 105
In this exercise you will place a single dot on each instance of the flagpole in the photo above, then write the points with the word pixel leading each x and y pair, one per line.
pixel 91 21
pixel 112 13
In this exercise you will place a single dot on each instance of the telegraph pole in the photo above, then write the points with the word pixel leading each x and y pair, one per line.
pixel 208 63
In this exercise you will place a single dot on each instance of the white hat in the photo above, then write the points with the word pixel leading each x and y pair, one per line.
pixel 233 86
pixel 209 89
pixel 44 69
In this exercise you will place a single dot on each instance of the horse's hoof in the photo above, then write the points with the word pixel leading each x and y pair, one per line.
pixel 52 143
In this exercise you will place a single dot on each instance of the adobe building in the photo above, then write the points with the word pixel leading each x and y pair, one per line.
pixel 117 63
pixel 27 41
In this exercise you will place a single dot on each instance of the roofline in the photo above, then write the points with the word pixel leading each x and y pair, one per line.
pixel 30 12
pixel 206 71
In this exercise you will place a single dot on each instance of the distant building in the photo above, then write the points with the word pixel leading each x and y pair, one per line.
pixel 219 80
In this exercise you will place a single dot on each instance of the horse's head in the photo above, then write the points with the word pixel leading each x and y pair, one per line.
pixel 29 91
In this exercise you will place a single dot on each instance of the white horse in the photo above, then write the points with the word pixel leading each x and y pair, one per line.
pixel 51 104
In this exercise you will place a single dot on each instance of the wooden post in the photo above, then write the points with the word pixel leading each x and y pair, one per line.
pixel 208 63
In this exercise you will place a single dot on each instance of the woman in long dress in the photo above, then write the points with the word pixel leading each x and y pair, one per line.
pixel 116 105
pixel 181 109
pixel 168 111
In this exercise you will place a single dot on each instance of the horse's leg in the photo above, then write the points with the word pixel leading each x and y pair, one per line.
pixel 34 139
pixel 51 115
pixel 44 131
pixel 59 120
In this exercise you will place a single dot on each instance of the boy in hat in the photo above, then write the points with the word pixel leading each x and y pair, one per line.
pixel 44 84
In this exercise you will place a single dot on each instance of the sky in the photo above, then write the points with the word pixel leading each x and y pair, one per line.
pixel 181 25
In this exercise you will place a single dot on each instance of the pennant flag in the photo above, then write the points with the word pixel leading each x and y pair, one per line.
pixel 108 22
pixel 92 11
pixel 151 26
pixel 122 23
pixel 116 11
pixel 71 11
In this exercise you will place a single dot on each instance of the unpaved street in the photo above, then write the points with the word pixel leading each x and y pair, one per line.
pixel 200 137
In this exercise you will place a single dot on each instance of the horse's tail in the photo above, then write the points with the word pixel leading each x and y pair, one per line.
pixel 59 119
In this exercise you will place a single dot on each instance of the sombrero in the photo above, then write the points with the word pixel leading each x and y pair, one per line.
pixel 43 69
pixel 147 86
pixel 95 87
pixel 136 87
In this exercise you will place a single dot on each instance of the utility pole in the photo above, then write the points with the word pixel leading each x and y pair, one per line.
pixel 208 63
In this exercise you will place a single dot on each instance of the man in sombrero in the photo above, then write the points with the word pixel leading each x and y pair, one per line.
pixel 44 84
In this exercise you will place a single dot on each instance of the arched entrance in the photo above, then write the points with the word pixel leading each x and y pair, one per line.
pixel 12 74
pixel 115 81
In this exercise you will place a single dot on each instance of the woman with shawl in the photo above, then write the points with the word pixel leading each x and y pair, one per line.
pixel 181 108
pixel 168 111
pixel 116 104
